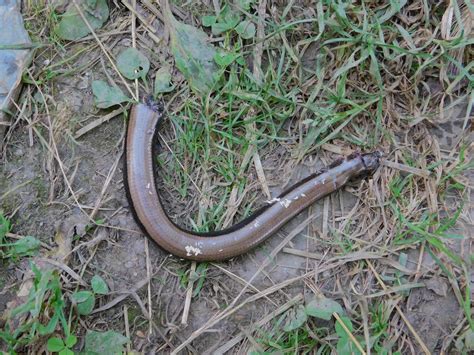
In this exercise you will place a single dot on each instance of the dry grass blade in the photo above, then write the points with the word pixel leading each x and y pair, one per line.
pixel 189 295
pixel 399 310
pixel 239 337
pixel 349 333
pixel 406 168
pixel 234 306
pixel 216 319
pixel 89 127
pixel 124 295
pixel 457 20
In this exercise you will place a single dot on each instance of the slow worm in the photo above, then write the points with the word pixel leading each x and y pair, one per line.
pixel 240 238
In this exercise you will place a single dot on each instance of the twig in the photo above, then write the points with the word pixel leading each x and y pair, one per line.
pixel 406 168
pixel 124 295
pixel 19 186
pixel 257 60
pixel 303 253
pixel 134 37
pixel 257 72
pixel 98 122
pixel 348 332
pixel 127 326
pixel 148 275
pixel 149 28
pixel 110 175
pixel 240 280
pixel 189 294
pixel 325 221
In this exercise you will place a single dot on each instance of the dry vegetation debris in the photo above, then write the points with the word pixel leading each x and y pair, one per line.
pixel 258 95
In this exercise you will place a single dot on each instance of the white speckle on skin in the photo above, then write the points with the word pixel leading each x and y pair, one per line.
pixel 148 188
pixel 285 203
pixel 275 199
pixel 190 250
pixel 221 250
pixel 300 196
pixel 256 223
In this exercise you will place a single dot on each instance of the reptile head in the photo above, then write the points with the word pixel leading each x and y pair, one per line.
pixel 371 160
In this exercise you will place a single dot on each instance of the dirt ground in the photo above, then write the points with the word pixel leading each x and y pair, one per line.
pixel 350 247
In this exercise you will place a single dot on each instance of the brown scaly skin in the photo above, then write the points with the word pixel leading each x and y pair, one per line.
pixel 240 238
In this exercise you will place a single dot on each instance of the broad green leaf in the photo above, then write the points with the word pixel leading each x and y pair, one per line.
pixel 345 346
pixel 465 342
pixel 133 64
pixel 26 246
pixel 403 259
pixel 4 227
pixel 55 344
pixel 208 21
pixel 85 301
pixel 340 330
pixel 81 296
pixel 296 319
pixel 108 342
pixel 106 96
pixel 162 81
pixel 66 351
pixel 72 26
pixel 87 306
pixel 226 21
pixel 70 341
pixel 193 54
pixel 323 308
pixel 469 339
pixel 224 58
pixel 221 27
pixel 232 18
pixel 246 29
pixel 245 4
pixel 99 286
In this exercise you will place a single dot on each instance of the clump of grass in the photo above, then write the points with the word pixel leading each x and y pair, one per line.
pixel 39 316
pixel 362 48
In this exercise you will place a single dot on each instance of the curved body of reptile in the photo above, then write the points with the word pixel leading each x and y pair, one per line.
pixel 233 241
